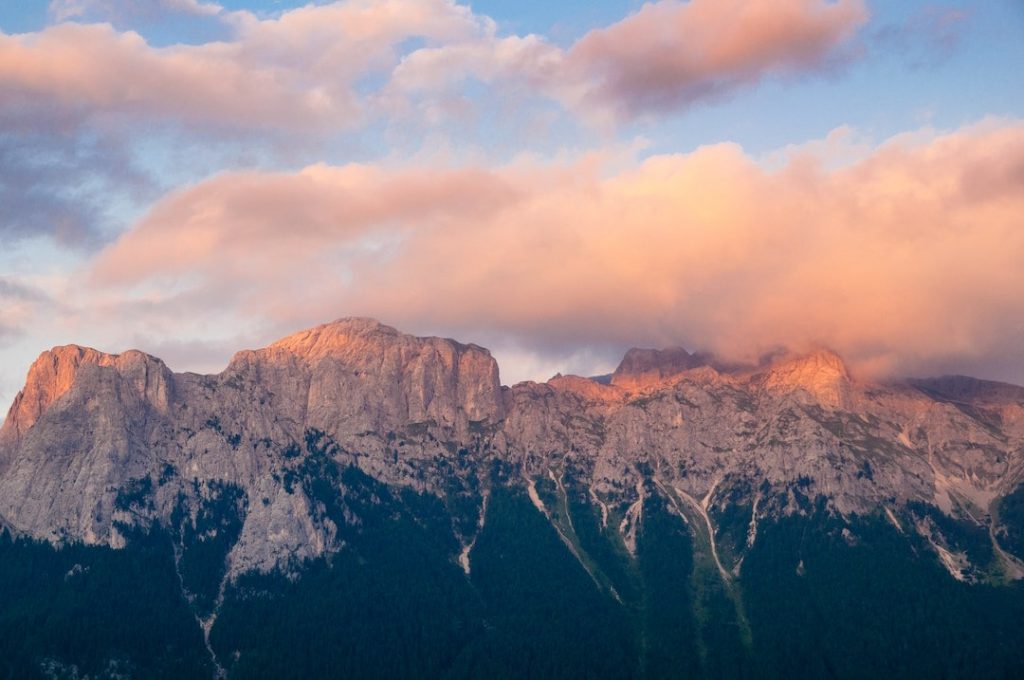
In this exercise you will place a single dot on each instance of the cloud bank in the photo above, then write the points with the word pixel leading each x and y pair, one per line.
pixel 901 255
pixel 85 102
pixel 905 260
pixel 331 66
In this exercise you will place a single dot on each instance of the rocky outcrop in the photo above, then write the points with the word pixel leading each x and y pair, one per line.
pixel 75 435
pixel 645 368
pixel 358 375
pixel 820 378
pixel 97 445
pixel 56 371
pixel 87 423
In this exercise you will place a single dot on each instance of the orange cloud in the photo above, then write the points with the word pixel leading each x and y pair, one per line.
pixel 906 259
pixel 240 218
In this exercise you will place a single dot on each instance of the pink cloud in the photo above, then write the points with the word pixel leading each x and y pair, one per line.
pixel 904 259
pixel 236 217
pixel 97 68
pixel 291 72
pixel 670 54
pixel 302 69
pixel 665 57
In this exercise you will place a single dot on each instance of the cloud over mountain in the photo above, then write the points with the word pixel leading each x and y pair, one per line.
pixel 904 260
pixel 91 97
pixel 195 175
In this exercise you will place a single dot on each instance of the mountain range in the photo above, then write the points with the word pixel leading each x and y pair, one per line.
pixel 352 500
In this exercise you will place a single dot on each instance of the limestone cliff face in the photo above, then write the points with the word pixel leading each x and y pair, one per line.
pixel 55 372
pixel 428 412
pixel 87 423
pixel 75 434
pixel 363 374
pixel 818 378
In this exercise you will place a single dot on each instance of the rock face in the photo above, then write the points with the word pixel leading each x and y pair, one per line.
pixel 650 367
pixel 97 445
pixel 821 377
pixel 56 371
pixel 360 376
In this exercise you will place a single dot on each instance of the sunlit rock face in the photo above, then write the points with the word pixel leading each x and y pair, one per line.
pixel 819 378
pixel 357 375
pixel 422 412
pixel 647 368
pixel 55 372
pixel 77 432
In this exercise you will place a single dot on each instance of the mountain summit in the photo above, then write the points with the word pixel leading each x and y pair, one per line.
pixel 821 376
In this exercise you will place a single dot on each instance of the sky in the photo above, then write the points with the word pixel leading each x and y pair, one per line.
pixel 557 182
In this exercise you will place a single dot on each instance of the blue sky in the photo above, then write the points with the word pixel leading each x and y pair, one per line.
pixel 113 144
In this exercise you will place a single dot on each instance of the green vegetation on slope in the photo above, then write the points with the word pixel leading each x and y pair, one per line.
pixel 822 596
pixel 872 602
pixel 97 610
pixel 1011 517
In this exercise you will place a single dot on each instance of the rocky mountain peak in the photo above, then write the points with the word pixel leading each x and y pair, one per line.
pixel 55 371
pixel 820 375
pixel 404 377
pixel 645 368
pixel 348 336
